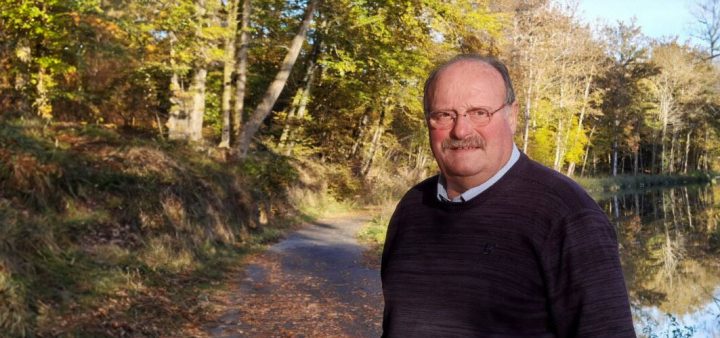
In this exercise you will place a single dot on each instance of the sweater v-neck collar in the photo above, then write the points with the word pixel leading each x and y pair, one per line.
pixel 485 195
pixel 473 192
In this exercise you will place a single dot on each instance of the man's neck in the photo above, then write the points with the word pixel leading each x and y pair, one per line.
pixel 457 186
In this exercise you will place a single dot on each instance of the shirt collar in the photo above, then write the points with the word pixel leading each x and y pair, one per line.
pixel 442 194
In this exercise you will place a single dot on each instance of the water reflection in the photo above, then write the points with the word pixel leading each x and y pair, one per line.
pixel 670 248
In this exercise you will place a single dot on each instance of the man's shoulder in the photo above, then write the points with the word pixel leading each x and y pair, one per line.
pixel 421 193
pixel 543 182
pixel 427 187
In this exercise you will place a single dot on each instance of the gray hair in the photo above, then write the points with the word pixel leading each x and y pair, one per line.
pixel 488 60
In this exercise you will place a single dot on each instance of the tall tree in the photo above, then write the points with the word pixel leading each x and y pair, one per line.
pixel 707 27
pixel 623 102
pixel 241 70
pixel 228 69
pixel 194 29
pixel 265 106
pixel 556 61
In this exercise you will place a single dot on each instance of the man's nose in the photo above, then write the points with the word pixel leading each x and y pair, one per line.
pixel 462 128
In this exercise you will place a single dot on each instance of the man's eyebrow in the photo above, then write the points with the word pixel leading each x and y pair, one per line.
pixel 439 110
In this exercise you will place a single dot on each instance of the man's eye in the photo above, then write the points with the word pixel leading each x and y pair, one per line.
pixel 443 115
pixel 477 112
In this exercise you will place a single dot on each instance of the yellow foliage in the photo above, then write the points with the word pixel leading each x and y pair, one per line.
pixel 542 145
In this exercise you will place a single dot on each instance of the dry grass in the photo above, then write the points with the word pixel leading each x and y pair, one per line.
pixel 111 234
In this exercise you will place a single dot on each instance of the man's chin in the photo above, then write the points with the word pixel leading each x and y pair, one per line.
pixel 462 172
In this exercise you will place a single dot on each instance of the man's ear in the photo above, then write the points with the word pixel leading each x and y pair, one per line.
pixel 512 116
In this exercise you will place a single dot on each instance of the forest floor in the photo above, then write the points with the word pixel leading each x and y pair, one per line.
pixel 317 282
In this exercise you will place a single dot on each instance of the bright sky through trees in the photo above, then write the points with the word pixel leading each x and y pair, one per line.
pixel 658 18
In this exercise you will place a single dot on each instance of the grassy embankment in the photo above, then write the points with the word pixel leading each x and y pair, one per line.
pixel 115 233
pixel 374 232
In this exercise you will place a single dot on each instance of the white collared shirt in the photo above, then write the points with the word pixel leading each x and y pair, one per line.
pixel 442 194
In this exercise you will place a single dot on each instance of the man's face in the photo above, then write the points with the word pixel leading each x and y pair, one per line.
pixel 464 150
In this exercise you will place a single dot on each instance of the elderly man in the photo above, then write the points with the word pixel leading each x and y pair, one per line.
pixel 496 245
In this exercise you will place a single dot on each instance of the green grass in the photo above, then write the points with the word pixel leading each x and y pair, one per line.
pixel 373 233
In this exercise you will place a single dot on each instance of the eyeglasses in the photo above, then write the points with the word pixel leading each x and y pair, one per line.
pixel 446 119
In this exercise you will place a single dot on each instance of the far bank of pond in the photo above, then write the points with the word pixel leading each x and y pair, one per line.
pixel 623 184
pixel 670 249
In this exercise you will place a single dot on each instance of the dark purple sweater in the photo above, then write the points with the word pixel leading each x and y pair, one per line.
pixel 532 256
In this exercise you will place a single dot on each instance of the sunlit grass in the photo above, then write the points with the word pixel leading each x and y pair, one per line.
pixel 316 204
pixel 164 253
pixel 373 233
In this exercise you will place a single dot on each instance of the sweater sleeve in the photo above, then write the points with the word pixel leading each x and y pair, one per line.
pixel 585 284
pixel 390 237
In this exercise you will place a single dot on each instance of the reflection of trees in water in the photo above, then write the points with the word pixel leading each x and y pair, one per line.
pixel 669 245
pixel 668 250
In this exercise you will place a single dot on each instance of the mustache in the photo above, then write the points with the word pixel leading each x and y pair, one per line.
pixel 470 142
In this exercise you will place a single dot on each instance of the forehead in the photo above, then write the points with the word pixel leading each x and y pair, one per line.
pixel 467 82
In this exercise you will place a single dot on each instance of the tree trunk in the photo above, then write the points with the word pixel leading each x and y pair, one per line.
pixel 636 160
pixel 273 92
pixel 614 157
pixel 188 107
pixel 665 111
pixel 374 143
pixel 300 115
pixel 636 147
pixel 587 152
pixel 295 118
pixel 671 158
pixel 177 123
pixel 687 151
pixel 241 71
pixel 199 80
pixel 653 155
pixel 704 163
pixel 559 146
pixel 581 118
pixel 197 112
pixel 359 135
pixel 228 68
pixel 290 118
pixel 526 129
pixel 420 159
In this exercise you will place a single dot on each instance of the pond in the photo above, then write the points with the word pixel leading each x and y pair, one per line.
pixel 670 251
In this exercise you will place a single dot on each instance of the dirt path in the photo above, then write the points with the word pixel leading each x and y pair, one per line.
pixel 312 284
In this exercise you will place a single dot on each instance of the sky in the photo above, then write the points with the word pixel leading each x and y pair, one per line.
pixel 657 18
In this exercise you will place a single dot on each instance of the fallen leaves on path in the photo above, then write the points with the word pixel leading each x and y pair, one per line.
pixel 270 301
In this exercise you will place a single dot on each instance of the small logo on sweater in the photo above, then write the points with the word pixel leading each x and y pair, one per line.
pixel 488 248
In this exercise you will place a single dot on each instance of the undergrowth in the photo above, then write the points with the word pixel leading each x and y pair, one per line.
pixel 114 233
pixel 373 233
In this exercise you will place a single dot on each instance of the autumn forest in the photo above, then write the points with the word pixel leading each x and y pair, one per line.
pixel 152 134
